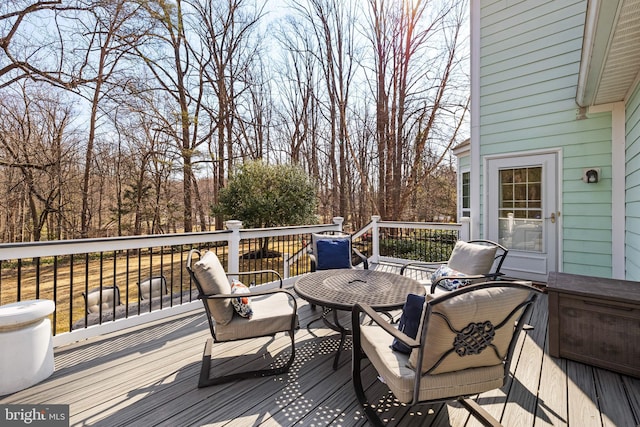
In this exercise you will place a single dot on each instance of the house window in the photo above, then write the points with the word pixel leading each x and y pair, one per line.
pixel 466 194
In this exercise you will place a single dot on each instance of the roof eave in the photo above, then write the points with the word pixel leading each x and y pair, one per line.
pixel 599 28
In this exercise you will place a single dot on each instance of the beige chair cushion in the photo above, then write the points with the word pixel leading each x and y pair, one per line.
pixel 211 276
pixel 472 258
pixel 271 314
pixel 153 287
pixel 393 368
pixel 109 300
pixel 491 304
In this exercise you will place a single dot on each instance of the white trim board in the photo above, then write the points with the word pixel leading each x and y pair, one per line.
pixel 618 176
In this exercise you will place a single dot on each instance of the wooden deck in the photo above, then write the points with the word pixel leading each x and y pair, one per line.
pixel 147 376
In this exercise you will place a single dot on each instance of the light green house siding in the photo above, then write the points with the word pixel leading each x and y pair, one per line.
pixel 464 162
pixel 632 187
pixel 530 55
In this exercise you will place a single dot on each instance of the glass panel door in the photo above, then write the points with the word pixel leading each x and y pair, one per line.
pixel 522 212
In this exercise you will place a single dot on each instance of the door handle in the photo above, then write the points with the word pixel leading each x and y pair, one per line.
pixel 553 217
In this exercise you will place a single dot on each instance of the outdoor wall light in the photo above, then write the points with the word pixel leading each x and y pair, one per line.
pixel 591 175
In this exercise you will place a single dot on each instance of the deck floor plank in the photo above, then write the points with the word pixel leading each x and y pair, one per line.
pixel 307 398
pixel 523 395
pixel 349 410
pixel 226 351
pixel 612 396
pixel 300 393
pixel 582 398
pixel 147 376
pixel 632 387
pixel 552 394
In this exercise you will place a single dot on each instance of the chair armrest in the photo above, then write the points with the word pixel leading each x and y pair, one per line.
pixel 360 255
pixel 246 273
pixel 314 262
pixel 380 321
pixel 429 266
pixel 190 256
pixel 253 292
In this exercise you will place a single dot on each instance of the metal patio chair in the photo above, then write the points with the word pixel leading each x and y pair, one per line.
pixel 273 311
pixel 463 347
pixel 469 262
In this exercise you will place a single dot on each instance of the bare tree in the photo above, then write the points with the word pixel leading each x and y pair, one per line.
pixel 32 142
pixel 332 25
pixel 108 36
pixel 39 56
pixel 416 54
pixel 368 97
pixel 167 57
pixel 228 51
pixel 297 86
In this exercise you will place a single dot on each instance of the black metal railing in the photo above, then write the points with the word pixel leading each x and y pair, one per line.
pixel 68 271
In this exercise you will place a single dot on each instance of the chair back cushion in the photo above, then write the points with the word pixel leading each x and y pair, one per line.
pixel 471 329
pixel 110 298
pixel 153 287
pixel 212 280
pixel 472 258
pixel 332 252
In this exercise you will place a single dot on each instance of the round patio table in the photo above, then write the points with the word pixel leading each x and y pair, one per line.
pixel 341 289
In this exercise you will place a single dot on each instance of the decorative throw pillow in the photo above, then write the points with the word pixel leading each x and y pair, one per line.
pixel 333 253
pixel 449 284
pixel 409 321
pixel 241 304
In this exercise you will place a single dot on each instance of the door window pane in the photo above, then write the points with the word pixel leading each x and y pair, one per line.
pixel 520 209
pixel 506 176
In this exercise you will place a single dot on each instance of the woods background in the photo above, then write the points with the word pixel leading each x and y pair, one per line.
pixel 125 117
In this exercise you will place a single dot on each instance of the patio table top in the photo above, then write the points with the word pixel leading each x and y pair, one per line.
pixel 341 289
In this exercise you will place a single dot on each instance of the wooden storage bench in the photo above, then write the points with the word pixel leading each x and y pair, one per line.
pixel 595 321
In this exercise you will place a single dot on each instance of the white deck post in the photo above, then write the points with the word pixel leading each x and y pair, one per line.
pixel 234 246
pixel 465 230
pixel 286 272
pixel 375 239
pixel 338 220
